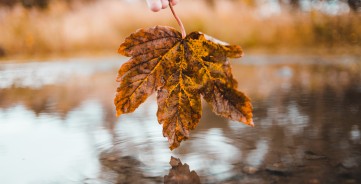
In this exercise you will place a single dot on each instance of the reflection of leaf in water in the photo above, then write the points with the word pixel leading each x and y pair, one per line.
pixel 180 173
pixel 123 169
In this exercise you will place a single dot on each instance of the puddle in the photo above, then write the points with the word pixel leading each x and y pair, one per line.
pixel 58 125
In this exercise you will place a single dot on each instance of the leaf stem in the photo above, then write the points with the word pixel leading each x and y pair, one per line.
pixel 184 34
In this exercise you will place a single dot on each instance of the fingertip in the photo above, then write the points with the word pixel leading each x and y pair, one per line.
pixel 155 6
pixel 165 4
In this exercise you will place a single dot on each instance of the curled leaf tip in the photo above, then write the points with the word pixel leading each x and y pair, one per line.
pixel 251 123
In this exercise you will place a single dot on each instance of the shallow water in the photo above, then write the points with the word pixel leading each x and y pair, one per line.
pixel 58 125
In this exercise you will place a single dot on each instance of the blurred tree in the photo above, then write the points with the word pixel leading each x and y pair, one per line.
pixel 83 1
pixel 8 3
pixel 2 52
pixel 211 3
pixel 42 4
pixel 355 5
pixel 295 4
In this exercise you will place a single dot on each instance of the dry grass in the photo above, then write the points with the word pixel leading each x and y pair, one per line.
pixel 101 26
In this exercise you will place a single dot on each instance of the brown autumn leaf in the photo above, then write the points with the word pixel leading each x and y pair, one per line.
pixel 181 70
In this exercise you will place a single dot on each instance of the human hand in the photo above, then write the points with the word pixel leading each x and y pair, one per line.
pixel 157 5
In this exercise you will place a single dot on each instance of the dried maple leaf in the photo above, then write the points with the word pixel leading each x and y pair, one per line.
pixel 181 70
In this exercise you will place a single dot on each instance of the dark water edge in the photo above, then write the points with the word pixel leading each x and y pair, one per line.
pixel 57 118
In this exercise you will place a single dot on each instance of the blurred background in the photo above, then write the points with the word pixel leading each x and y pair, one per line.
pixel 302 71
pixel 66 27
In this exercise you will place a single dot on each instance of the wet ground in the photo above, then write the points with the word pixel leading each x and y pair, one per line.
pixel 58 125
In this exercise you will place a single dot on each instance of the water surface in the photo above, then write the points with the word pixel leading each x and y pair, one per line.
pixel 58 125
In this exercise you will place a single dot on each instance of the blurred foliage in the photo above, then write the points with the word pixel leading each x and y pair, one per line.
pixel 355 5
pixel 47 27
pixel 42 4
